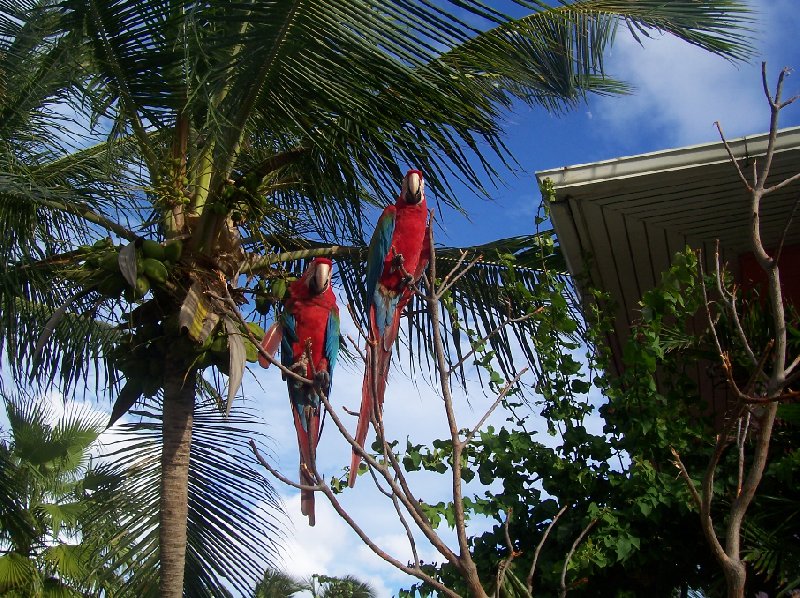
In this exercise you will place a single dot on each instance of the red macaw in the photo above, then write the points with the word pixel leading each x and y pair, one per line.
pixel 307 326
pixel 398 254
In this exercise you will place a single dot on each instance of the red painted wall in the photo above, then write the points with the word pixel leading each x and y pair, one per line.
pixel 751 274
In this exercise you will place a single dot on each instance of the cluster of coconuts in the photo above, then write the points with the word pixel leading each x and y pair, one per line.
pixel 216 348
pixel 153 264
pixel 145 347
pixel 142 349
pixel 268 295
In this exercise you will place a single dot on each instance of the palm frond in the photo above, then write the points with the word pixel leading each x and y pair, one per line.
pixel 233 527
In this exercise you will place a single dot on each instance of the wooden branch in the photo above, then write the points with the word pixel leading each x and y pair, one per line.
pixel 410 505
pixel 707 497
pixel 466 566
pixel 416 571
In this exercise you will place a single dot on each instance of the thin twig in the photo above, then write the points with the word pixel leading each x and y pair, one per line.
pixel 791 368
pixel 355 344
pixel 503 393
pixel 354 318
pixel 462 255
pixel 411 542
pixel 512 554
pixel 729 300
pixel 741 436
pixel 732 157
pixel 490 334
pixel 536 552
pixel 562 592
pixel 782 184
pixel 279 475
pixel 786 227
pixel 447 285
pixel 685 475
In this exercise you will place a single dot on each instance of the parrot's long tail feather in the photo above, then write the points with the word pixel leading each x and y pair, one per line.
pixel 307 442
pixel 367 394
pixel 307 498
pixel 373 389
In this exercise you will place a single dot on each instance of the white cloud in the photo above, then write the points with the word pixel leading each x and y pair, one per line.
pixel 682 90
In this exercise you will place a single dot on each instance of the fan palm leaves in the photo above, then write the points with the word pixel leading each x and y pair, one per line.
pixel 53 538
pixel 227 134
pixel 277 584
pixel 347 586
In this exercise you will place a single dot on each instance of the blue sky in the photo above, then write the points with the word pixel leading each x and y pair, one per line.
pixel 680 92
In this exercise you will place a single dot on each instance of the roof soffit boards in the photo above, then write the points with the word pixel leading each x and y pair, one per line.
pixel 619 221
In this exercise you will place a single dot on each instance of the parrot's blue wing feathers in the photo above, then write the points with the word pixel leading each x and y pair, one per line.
pixel 296 391
pixel 379 247
pixel 289 337
pixel 332 345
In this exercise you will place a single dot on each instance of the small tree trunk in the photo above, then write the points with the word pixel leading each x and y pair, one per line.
pixel 178 411
pixel 735 577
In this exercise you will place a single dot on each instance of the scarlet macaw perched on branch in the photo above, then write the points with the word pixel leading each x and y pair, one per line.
pixel 398 253
pixel 307 327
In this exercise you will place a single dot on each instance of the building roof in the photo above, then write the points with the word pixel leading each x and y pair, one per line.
pixel 619 221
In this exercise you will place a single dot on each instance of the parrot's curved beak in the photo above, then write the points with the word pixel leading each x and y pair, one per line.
pixel 413 187
pixel 321 278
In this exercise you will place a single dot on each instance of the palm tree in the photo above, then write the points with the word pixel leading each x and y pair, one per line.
pixel 51 533
pixel 221 139
pixel 324 586
pixel 277 584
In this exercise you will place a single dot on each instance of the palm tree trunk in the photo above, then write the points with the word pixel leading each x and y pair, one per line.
pixel 178 411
